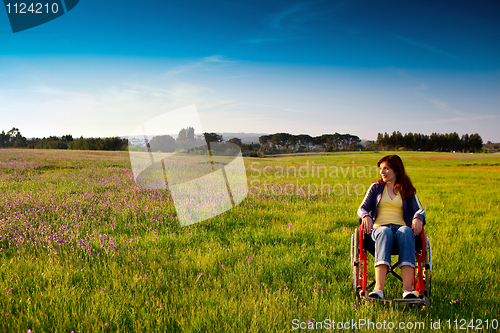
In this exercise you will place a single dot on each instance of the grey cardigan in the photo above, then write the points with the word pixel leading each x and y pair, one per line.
pixel 412 208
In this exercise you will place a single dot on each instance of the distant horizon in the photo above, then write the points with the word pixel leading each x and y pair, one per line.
pixel 246 134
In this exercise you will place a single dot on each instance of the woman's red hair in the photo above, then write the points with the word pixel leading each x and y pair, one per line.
pixel 403 183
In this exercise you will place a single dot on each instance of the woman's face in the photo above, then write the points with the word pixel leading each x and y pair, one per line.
pixel 388 175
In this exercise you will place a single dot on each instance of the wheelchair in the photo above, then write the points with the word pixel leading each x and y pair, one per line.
pixel 361 246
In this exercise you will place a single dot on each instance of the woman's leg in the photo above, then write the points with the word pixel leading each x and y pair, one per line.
pixel 407 275
pixel 405 240
pixel 380 273
pixel 383 238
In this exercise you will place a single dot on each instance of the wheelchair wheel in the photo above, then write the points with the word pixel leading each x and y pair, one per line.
pixel 427 267
pixel 355 258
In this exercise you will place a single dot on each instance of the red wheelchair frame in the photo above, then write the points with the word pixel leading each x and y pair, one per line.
pixel 423 266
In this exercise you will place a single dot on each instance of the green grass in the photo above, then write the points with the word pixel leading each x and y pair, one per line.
pixel 276 257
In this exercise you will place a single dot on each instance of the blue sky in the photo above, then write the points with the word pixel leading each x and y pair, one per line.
pixel 358 67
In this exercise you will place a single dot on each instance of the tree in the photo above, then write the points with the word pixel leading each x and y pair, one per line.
pixel 212 137
pixel 281 140
pixel 409 141
pixel 163 143
pixel 329 140
pixel 190 134
pixel 475 142
pixel 13 132
pixel 4 139
pixel 397 139
pixel 320 140
pixel 186 138
pixel 15 138
pixel 304 140
pixel 351 142
pixel 114 143
pixel 335 140
pixel 465 145
pixel 236 141
pixel 454 140
pixel 265 141
pixel 293 141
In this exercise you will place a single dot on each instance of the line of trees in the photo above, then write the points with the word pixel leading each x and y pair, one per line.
pixel 434 142
pixel 14 139
pixel 328 142
pixel 186 141
pixel 278 142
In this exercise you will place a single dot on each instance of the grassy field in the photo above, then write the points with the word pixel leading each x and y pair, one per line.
pixel 83 249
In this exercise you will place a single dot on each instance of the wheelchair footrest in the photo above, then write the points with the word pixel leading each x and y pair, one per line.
pixel 377 300
pixel 412 301
pixel 409 301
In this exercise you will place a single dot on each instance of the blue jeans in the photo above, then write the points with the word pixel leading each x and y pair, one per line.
pixel 385 236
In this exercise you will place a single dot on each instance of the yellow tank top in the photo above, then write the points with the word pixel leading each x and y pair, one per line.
pixel 389 211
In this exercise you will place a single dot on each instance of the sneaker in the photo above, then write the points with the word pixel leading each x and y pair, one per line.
pixel 410 295
pixel 376 294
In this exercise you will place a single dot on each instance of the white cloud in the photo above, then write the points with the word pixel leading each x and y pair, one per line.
pixel 217 58
pixel 277 18
pixel 263 40
pixel 197 66
pixel 426 46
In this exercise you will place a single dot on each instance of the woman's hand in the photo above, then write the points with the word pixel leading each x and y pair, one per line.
pixel 416 225
pixel 367 224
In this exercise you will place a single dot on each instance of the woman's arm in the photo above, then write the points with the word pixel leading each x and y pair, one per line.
pixel 367 224
pixel 417 209
pixel 364 210
pixel 416 226
pixel 418 215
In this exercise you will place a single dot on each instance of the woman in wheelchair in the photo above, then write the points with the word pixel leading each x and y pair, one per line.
pixel 392 214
